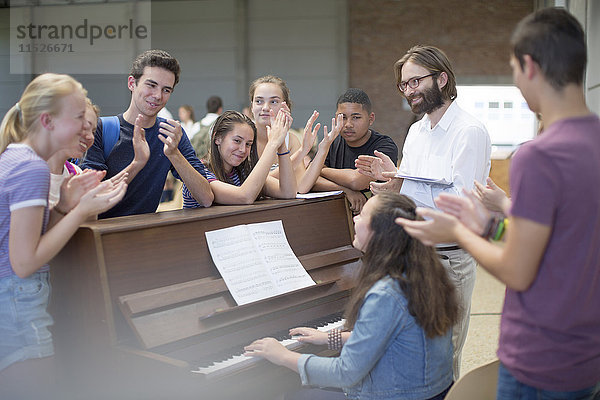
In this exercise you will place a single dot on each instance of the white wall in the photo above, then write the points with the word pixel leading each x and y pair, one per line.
pixel 588 14
pixel 593 44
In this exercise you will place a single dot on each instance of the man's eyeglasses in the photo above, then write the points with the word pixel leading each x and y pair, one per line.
pixel 414 82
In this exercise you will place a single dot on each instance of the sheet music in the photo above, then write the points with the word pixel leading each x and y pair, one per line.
pixel 314 195
pixel 431 181
pixel 256 261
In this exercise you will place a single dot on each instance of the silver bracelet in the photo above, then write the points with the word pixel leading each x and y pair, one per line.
pixel 334 339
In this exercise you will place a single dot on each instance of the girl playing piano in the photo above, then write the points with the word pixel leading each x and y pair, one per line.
pixel 400 317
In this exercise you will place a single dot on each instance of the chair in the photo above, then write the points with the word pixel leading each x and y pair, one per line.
pixel 478 384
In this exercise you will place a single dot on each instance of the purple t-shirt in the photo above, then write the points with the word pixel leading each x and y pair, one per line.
pixel 550 333
pixel 24 182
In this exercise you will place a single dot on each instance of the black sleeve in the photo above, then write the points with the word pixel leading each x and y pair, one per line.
pixel 389 148
pixel 330 160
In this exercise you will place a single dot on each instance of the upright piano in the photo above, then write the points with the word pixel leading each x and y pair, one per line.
pixel 141 311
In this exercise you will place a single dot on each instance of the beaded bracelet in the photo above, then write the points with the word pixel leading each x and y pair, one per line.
pixel 495 228
pixel 501 230
pixel 334 339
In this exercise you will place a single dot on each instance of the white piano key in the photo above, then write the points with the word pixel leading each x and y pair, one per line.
pixel 238 362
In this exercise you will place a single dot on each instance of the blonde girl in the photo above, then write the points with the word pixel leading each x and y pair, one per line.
pixel 60 166
pixel 49 116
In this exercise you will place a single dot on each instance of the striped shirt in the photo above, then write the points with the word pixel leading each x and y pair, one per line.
pixel 24 182
pixel 188 199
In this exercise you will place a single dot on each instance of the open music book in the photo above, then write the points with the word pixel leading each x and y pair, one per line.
pixel 256 261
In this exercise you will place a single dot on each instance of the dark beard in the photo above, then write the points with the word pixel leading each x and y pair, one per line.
pixel 432 100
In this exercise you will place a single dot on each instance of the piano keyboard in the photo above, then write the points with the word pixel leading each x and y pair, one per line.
pixel 236 360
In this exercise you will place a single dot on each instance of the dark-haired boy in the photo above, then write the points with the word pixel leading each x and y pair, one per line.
pixel 356 138
pixel 147 147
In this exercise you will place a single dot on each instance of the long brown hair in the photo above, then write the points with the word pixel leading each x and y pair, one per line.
pixel 416 267
pixel 222 126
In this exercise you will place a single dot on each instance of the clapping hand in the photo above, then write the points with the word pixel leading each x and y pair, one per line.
pixel 393 185
pixel 337 124
pixel 437 226
pixel 140 145
pixel 74 187
pixel 492 196
pixel 102 198
pixel 374 167
pixel 170 134
pixel 310 133
pixel 469 210
pixel 279 128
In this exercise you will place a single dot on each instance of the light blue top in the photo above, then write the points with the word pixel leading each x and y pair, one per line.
pixel 387 356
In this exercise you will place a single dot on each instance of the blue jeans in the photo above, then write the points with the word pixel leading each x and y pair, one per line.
pixel 24 320
pixel 511 389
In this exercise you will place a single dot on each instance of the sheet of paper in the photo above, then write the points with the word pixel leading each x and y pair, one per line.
pixel 256 261
pixel 314 195
pixel 432 181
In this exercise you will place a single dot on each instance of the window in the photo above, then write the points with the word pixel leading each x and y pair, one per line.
pixel 503 111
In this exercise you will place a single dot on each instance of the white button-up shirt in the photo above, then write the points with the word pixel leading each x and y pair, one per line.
pixel 456 150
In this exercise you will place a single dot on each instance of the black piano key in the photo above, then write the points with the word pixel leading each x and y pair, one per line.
pixel 204 364
pixel 282 335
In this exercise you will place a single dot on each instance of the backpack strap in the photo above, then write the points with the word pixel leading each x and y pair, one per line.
pixel 111 127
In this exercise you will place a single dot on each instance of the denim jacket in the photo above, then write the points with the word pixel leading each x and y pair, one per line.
pixel 387 356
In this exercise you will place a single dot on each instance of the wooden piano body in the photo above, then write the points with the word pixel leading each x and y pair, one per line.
pixel 137 300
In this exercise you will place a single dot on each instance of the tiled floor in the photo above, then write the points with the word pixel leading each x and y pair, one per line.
pixel 484 326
